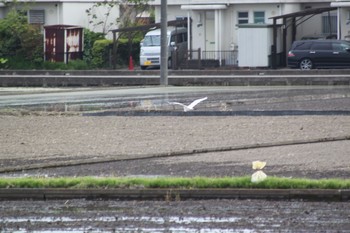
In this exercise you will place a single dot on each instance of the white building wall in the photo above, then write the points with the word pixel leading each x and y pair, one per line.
pixel 312 26
pixel 269 9
pixel 343 13
pixel 198 27
pixel 255 44
pixel 344 23
pixel 177 2
pixel 74 13
pixel 70 12
pixel 230 16
pixel 51 11
pixel 173 12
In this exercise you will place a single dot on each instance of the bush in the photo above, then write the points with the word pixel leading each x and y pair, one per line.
pixel 100 53
pixel 72 65
pixel 21 47
pixel 20 43
pixel 20 63
pixel 123 53
pixel 89 40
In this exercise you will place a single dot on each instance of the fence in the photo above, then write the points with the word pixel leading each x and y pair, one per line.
pixel 225 57
pixel 197 59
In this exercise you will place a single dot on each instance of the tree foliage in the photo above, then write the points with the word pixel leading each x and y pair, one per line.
pixel 20 39
pixel 89 40
pixel 100 13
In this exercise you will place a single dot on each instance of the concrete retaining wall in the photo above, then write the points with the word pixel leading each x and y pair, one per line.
pixel 177 78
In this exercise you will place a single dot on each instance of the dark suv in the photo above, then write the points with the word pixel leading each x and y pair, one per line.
pixel 309 54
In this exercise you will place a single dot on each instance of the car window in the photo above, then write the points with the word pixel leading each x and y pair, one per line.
pixel 340 46
pixel 302 45
pixel 153 40
pixel 173 38
pixel 321 46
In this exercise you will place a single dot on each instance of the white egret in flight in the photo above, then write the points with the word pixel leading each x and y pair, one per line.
pixel 191 106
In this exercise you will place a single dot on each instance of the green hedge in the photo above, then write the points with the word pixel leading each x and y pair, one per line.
pixel 102 53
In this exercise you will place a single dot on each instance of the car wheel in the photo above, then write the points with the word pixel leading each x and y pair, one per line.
pixel 305 64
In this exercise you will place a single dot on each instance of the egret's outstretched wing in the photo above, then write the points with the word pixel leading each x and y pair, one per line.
pixel 177 103
pixel 194 103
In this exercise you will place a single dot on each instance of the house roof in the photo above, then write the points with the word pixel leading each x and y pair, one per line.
pixel 149 26
pixel 340 4
pixel 312 11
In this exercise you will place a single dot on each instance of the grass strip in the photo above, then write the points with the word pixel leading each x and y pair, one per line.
pixel 173 182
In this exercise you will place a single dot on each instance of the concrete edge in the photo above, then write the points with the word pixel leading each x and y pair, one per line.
pixel 174 194
pixel 105 81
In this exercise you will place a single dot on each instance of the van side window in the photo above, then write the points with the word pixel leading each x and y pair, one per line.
pixel 321 46
pixel 185 37
pixel 173 38
pixel 181 38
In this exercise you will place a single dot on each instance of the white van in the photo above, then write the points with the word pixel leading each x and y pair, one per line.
pixel 150 46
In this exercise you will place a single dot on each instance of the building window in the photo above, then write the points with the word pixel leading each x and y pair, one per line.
pixel 36 16
pixel 329 24
pixel 259 17
pixel 243 17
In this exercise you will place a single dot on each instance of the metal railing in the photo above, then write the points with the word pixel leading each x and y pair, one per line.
pixel 225 57
pixel 197 59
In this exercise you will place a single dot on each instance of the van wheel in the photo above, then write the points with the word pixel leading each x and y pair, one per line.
pixel 305 64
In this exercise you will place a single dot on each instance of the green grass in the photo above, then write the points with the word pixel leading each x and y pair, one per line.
pixel 179 182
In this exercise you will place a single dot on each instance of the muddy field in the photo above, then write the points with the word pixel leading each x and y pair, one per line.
pixel 35 141
pixel 219 216
pixel 41 140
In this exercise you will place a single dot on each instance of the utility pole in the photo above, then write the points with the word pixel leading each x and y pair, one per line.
pixel 163 43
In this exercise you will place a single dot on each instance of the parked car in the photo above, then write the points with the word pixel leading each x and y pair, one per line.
pixel 309 54
pixel 151 44
pixel 319 37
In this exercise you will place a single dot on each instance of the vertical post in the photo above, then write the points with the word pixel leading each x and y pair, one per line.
pixel 199 58
pixel 284 45
pixel 65 51
pixel 329 23
pixel 164 44
pixel 274 44
pixel 189 32
pixel 294 29
pixel 114 49
pixel 338 24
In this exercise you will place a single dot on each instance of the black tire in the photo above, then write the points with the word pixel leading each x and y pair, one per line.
pixel 305 64
pixel 143 67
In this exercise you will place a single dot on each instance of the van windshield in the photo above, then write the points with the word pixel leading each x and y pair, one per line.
pixel 151 40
